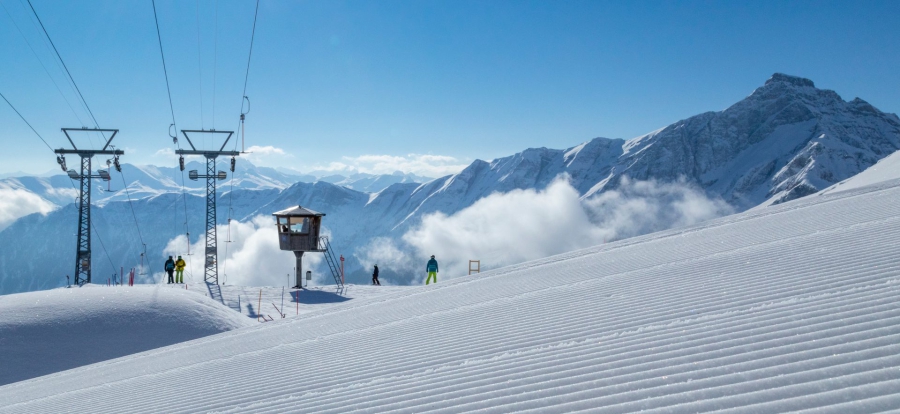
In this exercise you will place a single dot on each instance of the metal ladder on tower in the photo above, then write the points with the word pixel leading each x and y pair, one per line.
pixel 332 262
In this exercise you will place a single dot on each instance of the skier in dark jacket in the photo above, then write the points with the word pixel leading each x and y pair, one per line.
pixel 432 269
pixel 170 269
pixel 375 277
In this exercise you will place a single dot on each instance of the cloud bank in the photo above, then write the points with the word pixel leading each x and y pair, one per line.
pixel 419 164
pixel 262 154
pixel 16 203
pixel 251 259
pixel 522 225
pixel 499 230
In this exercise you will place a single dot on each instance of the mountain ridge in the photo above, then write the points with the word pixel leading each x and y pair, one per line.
pixel 785 140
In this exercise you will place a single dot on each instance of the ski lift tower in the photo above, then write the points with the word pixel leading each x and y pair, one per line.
pixel 83 254
pixel 211 266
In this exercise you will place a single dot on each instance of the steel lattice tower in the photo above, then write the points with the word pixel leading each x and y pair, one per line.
pixel 83 252
pixel 211 265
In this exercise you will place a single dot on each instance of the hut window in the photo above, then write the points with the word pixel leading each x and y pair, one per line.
pixel 300 225
pixel 283 225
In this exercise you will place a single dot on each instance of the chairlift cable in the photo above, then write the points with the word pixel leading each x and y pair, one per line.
pixel 59 66
pixel 199 65
pixel 47 71
pixel 174 123
pixel 249 55
pixel 133 214
pixel 165 71
pixel 26 122
pixel 77 89
pixel 246 77
pixel 215 63
pixel 97 233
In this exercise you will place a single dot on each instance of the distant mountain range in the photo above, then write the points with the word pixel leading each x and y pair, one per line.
pixel 144 181
pixel 787 139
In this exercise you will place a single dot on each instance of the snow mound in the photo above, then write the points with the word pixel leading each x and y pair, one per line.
pixel 54 330
pixel 793 307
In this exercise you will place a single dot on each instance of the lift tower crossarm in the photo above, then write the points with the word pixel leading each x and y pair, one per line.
pixel 83 254
pixel 114 132
pixel 89 152
pixel 211 266
pixel 206 131
pixel 216 153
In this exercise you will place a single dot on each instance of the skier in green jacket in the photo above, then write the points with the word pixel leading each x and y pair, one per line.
pixel 432 269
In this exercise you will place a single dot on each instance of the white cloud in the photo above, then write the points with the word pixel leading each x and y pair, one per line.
pixel 261 154
pixel 420 164
pixel 64 192
pixel 16 203
pixel 382 251
pixel 522 225
pixel 266 150
pixel 168 154
pixel 165 152
pixel 641 207
pixel 252 258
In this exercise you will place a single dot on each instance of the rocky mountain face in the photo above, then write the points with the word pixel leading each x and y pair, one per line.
pixel 787 139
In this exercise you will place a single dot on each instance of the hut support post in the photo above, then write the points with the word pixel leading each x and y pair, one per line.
pixel 299 269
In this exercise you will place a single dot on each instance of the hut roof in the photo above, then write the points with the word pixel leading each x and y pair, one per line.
pixel 298 211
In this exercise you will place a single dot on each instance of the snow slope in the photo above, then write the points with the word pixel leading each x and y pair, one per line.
pixel 54 330
pixel 793 307
pixel 885 170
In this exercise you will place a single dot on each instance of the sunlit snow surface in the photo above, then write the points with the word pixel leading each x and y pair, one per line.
pixel 792 307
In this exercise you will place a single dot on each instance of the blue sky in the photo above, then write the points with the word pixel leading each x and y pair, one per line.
pixel 422 86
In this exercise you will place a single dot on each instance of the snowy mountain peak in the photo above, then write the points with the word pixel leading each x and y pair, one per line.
pixel 790 80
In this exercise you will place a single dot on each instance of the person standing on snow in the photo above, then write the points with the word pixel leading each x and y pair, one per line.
pixel 179 270
pixel 375 277
pixel 170 268
pixel 432 269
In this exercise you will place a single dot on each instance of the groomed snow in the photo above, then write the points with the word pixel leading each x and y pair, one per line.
pixel 793 307
pixel 54 330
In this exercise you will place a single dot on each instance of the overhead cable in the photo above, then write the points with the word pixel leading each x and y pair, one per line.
pixel 165 71
pixel 26 121
pixel 174 125
pixel 64 64
pixel 47 71
pixel 246 77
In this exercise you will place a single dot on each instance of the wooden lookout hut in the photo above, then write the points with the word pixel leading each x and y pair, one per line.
pixel 298 231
